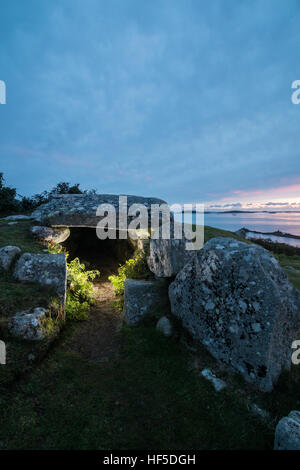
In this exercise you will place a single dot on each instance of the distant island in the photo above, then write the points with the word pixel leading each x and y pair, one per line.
pixel 240 212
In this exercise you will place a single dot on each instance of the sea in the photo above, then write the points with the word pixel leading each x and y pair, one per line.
pixel 262 222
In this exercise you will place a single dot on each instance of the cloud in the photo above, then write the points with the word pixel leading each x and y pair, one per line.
pixel 277 204
pixel 181 101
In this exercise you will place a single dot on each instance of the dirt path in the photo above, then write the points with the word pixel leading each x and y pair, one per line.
pixel 96 338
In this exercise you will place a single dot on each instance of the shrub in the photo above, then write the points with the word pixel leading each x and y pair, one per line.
pixel 133 268
pixel 76 310
pixel 79 281
pixel 10 201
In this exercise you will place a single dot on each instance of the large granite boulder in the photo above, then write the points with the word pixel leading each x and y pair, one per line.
pixel 31 325
pixel 168 256
pixel 79 210
pixel 287 433
pixel 235 298
pixel 48 234
pixel 7 255
pixel 45 269
pixel 143 299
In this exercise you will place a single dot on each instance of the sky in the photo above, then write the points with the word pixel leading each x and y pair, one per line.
pixel 188 101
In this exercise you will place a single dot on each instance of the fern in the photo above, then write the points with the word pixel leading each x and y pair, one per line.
pixel 133 268
pixel 79 286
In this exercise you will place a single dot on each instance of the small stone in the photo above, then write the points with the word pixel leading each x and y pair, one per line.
pixel 29 324
pixel 165 326
pixel 218 384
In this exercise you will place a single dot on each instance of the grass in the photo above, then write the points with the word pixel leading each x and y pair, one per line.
pixel 211 232
pixel 17 296
pixel 19 235
pixel 145 399
pixel 294 278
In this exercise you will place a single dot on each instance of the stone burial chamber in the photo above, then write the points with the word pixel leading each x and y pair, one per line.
pixel 70 211
pixel 69 218
pixel 104 255
pixel 235 299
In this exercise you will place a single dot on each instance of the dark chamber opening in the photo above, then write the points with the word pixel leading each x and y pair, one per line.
pixel 104 255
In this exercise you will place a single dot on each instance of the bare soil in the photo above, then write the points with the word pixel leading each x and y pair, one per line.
pixel 96 339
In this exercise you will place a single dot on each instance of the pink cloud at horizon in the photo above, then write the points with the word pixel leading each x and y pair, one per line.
pixel 285 197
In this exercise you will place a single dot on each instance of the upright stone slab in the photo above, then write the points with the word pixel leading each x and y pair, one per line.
pixel 235 298
pixel 45 269
pixel 168 256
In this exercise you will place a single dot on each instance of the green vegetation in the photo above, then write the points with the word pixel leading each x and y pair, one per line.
pixel 291 265
pixel 277 248
pixel 80 292
pixel 147 398
pixel 8 200
pixel 211 232
pixel 16 296
pixel 80 287
pixel 19 235
pixel 11 202
pixel 134 268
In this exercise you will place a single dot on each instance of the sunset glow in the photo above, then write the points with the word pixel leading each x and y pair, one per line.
pixel 280 198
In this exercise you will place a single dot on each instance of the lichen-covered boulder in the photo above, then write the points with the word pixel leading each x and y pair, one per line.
pixel 31 325
pixel 48 234
pixel 168 256
pixel 7 256
pixel 143 299
pixel 45 269
pixel 287 433
pixel 235 298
